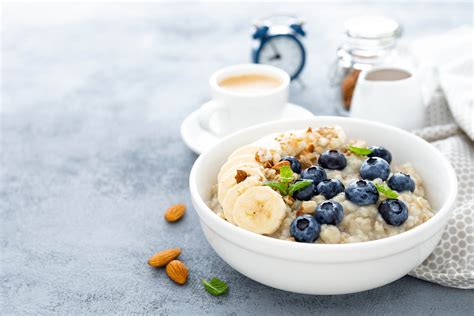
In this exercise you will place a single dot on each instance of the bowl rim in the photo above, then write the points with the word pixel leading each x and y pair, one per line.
pixel 203 209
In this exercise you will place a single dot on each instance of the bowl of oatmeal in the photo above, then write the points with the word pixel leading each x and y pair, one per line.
pixel 325 205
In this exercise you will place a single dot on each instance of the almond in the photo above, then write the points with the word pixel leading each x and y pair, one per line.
pixel 160 259
pixel 240 176
pixel 175 212
pixel 177 271
pixel 310 148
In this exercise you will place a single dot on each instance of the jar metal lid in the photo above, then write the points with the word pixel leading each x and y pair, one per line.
pixel 372 27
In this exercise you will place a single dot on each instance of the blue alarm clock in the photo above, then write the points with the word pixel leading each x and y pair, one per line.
pixel 277 42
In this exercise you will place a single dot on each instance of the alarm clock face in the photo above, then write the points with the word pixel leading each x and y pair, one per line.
pixel 283 51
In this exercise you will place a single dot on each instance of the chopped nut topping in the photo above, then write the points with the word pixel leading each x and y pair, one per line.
pixel 289 200
pixel 267 164
pixel 257 157
pixel 281 164
pixel 305 161
pixel 240 176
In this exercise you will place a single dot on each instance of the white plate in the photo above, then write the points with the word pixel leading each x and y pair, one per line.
pixel 199 139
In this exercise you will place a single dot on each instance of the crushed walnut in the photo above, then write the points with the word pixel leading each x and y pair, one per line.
pixel 240 176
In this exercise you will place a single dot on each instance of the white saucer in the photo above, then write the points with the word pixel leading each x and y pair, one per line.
pixel 198 139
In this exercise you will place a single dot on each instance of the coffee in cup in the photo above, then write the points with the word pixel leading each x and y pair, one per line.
pixel 251 83
pixel 244 95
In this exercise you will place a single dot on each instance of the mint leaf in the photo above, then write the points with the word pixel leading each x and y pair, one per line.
pixel 215 286
pixel 299 185
pixel 286 174
pixel 281 187
pixel 384 189
pixel 360 150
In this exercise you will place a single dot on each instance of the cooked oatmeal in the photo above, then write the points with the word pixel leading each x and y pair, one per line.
pixel 273 216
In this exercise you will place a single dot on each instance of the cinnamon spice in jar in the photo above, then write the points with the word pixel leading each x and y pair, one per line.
pixel 369 41
pixel 347 87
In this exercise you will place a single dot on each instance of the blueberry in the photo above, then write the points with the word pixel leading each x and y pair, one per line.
pixel 329 188
pixel 306 193
pixel 294 163
pixel 332 159
pixel 393 211
pixel 362 192
pixel 401 182
pixel 374 168
pixel 305 228
pixel 379 151
pixel 329 212
pixel 315 173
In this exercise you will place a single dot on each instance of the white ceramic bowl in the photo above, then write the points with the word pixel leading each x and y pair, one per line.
pixel 320 268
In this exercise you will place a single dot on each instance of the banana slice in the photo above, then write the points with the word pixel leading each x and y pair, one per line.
pixel 266 143
pixel 234 193
pixel 228 179
pixel 236 161
pixel 238 165
pixel 245 150
pixel 260 210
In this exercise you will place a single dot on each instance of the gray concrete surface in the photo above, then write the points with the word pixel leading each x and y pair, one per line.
pixel 92 99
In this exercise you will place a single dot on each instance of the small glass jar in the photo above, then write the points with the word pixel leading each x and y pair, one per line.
pixel 369 41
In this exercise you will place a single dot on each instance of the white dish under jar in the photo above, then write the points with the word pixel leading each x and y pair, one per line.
pixel 322 268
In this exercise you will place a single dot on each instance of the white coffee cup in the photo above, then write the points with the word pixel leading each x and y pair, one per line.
pixel 389 95
pixel 238 103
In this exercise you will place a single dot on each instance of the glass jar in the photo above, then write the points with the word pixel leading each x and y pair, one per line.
pixel 369 41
